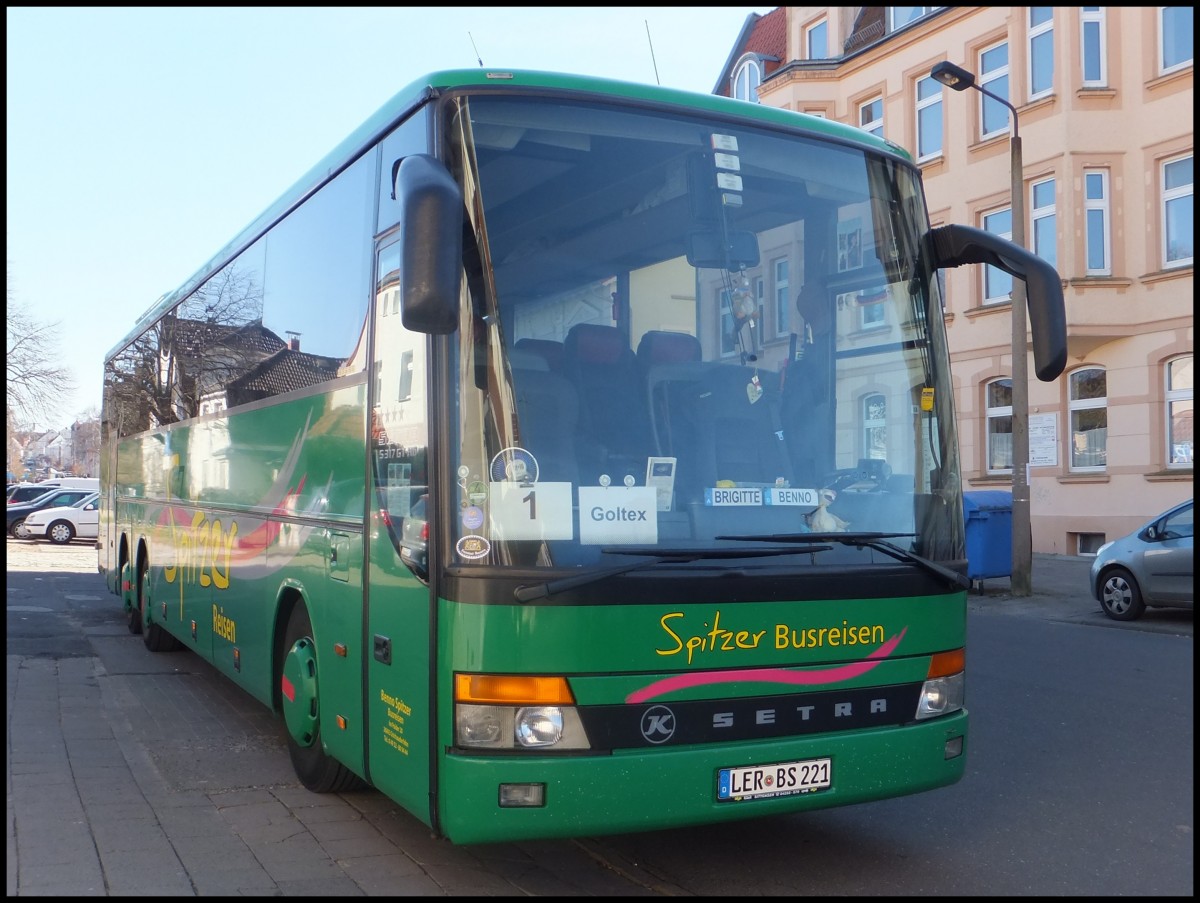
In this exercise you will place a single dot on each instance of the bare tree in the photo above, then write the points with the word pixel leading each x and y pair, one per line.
pixel 36 380
pixel 85 443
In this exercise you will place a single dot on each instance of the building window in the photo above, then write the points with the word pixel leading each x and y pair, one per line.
pixel 872 312
pixel 993 76
pixel 1093 56
pixel 1095 211
pixel 783 306
pixel 899 16
pixel 999 426
pixel 728 324
pixel 1175 37
pixel 870 116
pixel 759 287
pixel 874 426
pixel 929 119
pixel 997 284
pixel 746 79
pixel 817 41
pixel 1179 412
pixel 1043 219
pixel 1089 419
pixel 404 391
pixel 1177 182
pixel 1041 51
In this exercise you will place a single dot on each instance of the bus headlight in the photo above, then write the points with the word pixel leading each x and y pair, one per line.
pixel 941 696
pixel 518 727
pixel 493 711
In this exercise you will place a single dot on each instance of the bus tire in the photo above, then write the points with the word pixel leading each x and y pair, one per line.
pixel 154 637
pixel 133 611
pixel 317 771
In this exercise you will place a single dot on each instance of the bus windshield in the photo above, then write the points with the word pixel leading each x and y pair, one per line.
pixel 679 332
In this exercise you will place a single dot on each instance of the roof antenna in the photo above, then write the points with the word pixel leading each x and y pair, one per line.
pixel 476 49
pixel 651 43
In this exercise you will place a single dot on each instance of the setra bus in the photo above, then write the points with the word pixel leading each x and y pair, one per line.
pixel 563 456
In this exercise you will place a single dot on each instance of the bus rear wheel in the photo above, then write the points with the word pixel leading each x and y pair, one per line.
pixel 133 611
pixel 154 637
pixel 317 771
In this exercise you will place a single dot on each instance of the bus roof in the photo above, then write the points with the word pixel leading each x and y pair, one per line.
pixel 420 90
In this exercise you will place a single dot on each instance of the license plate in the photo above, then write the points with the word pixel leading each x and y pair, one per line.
pixel 784 779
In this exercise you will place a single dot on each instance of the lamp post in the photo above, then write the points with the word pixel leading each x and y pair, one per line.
pixel 959 79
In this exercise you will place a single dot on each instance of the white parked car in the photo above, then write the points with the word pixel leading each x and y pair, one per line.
pixel 63 524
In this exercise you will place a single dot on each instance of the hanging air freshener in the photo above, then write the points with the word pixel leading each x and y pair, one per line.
pixel 754 388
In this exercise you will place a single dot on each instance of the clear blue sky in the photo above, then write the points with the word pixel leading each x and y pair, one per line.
pixel 140 141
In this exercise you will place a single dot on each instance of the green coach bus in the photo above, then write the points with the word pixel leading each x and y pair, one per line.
pixel 564 456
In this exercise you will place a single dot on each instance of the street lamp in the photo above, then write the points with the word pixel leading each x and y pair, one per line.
pixel 959 79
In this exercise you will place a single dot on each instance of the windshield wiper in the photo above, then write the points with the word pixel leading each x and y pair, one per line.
pixel 877 541
pixel 527 593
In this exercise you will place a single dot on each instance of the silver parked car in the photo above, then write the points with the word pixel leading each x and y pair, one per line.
pixel 1150 566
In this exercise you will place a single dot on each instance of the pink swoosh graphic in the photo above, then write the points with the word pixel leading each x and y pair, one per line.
pixel 769 675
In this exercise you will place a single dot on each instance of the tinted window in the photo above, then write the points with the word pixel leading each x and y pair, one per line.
pixel 318 278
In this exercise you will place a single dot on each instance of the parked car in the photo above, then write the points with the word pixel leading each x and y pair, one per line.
pixel 27 492
pixel 19 493
pixel 1152 566
pixel 62 524
pixel 52 498
pixel 414 539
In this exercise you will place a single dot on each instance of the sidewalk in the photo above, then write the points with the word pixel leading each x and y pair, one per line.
pixel 1051 576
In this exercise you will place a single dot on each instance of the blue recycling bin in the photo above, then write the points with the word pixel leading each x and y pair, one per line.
pixel 988 518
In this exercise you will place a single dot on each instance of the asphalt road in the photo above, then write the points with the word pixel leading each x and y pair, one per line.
pixel 138 773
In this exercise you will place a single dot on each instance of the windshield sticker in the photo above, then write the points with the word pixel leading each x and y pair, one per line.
pixel 530 511
pixel 515 465
pixel 472 547
pixel 472 517
pixel 614 514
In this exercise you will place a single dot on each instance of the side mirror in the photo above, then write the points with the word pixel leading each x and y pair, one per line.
pixel 707 248
pixel 955 245
pixel 431 244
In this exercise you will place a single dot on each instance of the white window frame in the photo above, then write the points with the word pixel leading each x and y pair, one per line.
pixel 1039 34
pixel 1173 28
pixel 871 422
pixel 759 286
pixel 1043 220
pixel 1094 208
pixel 1092 18
pixel 924 108
pixel 781 280
pixel 919 12
pixel 873 125
pixel 993 415
pixel 726 318
pixel 404 384
pixel 1182 396
pixel 747 76
pixel 1078 405
pixel 871 315
pixel 993 274
pixel 1172 199
pixel 811 51
pixel 989 79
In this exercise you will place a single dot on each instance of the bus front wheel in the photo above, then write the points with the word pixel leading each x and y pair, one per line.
pixel 317 771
